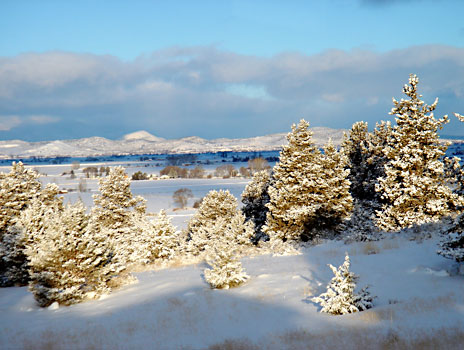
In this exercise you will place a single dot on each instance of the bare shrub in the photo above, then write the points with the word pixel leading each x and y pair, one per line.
pixel 139 175
pixel 197 173
pixel 181 196
pixel 370 248
pixel 225 171
pixel 258 164
pixel 174 171
pixel 82 186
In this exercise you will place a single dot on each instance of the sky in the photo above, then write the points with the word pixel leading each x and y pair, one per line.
pixel 73 69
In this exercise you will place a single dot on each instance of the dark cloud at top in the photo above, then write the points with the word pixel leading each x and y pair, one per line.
pixel 211 93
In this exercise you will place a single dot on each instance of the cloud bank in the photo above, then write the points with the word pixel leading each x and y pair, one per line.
pixel 212 93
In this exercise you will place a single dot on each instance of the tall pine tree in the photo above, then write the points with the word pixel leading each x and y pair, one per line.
pixel 118 212
pixel 414 184
pixel 309 190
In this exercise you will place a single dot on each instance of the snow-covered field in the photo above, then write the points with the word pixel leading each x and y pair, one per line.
pixel 419 305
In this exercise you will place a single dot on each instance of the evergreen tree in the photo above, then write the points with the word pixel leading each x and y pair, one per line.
pixel 217 215
pixel 380 139
pixel 366 163
pixel 355 146
pixel 118 212
pixel 226 271
pixel 451 245
pixel 255 197
pixel 295 180
pixel 361 226
pixel 32 221
pixel 337 202
pixel 413 185
pixel 222 252
pixel 115 205
pixel 69 260
pixel 301 197
pixel 18 189
pixel 156 238
pixel 340 297
pixel 366 160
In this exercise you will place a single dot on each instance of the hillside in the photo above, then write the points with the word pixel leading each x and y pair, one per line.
pixel 142 142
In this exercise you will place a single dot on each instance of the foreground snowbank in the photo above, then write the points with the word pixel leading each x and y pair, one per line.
pixel 419 304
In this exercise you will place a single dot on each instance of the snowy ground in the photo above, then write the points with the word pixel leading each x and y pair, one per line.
pixel 419 306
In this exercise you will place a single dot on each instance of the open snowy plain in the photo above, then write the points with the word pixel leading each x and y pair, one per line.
pixel 419 305
pixel 419 302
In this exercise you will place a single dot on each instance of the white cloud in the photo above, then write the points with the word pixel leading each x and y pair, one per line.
pixel 205 91
pixel 8 122
pixel 248 91
pixel 41 119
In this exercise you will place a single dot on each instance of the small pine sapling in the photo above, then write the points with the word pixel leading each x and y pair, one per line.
pixel 340 298
pixel 451 246
pixel 226 271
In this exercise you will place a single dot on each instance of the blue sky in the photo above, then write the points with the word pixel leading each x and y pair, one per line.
pixel 73 69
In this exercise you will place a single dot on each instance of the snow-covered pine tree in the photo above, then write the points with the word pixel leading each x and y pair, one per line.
pixel 336 205
pixel 118 211
pixel 309 190
pixel 70 260
pixel 340 297
pixel 31 222
pixel 255 197
pixel 413 185
pixel 156 238
pixel 366 160
pixel 451 245
pixel 454 173
pixel 361 226
pixel 366 163
pixel 217 214
pixel 115 205
pixel 379 141
pixel 226 271
pixel 223 254
pixel 18 189
pixel 295 181
pixel 355 146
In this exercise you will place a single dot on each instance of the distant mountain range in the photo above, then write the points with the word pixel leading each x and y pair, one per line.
pixel 142 142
